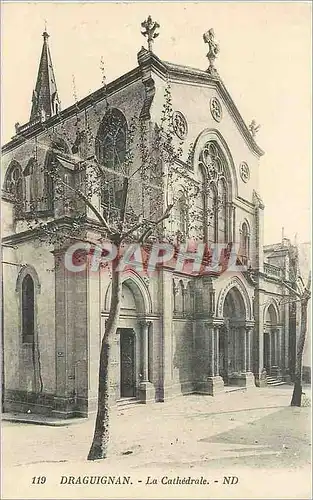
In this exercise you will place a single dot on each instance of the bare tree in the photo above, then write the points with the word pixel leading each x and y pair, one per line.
pixel 124 197
pixel 147 170
pixel 300 294
pixel 304 298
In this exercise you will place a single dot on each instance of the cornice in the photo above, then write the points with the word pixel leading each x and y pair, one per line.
pixel 147 62
pixel 31 234
pixel 30 130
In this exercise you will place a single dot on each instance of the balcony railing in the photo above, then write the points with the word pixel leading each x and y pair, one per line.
pixel 271 270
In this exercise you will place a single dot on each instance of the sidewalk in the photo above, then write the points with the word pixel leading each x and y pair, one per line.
pixel 254 430
pixel 141 429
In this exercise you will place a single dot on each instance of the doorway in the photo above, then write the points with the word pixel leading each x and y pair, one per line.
pixel 127 363
pixel 267 352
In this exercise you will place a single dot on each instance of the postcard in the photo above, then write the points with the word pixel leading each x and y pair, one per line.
pixel 156 250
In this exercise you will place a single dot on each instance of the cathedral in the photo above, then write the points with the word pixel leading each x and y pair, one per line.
pixel 177 333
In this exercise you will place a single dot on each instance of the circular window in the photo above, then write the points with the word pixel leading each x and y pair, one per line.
pixel 244 171
pixel 180 125
pixel 216 109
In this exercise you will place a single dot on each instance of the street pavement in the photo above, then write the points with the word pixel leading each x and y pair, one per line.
pixel 253 435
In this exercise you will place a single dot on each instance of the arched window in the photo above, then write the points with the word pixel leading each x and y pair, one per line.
pixel 178 294
pixel 211 213
pixel 244 243
pixel 213 164
pixel 180 217
pixel 111 140
pixel 29 187
pixel 48 187
pixel 111 144
pixel 13 184
pixel 221 211
pixel 28 310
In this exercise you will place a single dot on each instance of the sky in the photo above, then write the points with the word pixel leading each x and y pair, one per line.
pixel 264 61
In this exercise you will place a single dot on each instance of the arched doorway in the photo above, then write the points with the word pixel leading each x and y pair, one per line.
pixel 232 339
pixel 271 347
pixel 132 351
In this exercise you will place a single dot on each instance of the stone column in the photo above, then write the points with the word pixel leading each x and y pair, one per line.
pixel 214 383
pixel 216 351
pixel 164 337
pixel 234 224
pixel 273 335
pixel 243 342
pixel 146 388
pixel 145 355
pixel 248 349
pixel 211 347
pixel 234 349
pixel 248 365
pixel 184 300
pixel 278 351
pixel 269 351
pixel 212 302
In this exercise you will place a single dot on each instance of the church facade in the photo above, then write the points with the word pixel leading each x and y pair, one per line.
pixel 177 333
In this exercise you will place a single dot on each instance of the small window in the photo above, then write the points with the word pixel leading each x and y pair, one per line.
pixel 180 215
pixel 28 310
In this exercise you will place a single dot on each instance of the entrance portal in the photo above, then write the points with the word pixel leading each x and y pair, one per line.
pixel 127 363
pixel 271 342
pixel 233 344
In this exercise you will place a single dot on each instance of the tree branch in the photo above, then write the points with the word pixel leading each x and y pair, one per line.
pixel 298 294
pixel 88 203
pixel 157 222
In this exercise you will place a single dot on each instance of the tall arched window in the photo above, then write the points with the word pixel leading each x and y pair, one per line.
pixel 180 217
pixel 213 164
pixel 221 211
pixel 13 185
pixel 211 213
pixel 111 144
pixel 48 188
pixel 29 184
pixel 111 140
pixel 28 310
pixel 244 243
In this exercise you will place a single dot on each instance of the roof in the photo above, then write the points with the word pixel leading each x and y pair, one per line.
pixel 147 61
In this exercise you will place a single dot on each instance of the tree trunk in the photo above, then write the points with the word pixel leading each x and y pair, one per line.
pixel 297 390
pixel 101 436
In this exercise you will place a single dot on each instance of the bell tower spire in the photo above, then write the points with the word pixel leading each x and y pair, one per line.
pixel 45 100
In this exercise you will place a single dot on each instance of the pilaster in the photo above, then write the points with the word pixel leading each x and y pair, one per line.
pixel 146 388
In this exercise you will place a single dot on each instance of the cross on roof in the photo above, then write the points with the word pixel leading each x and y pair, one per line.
pixel 149 31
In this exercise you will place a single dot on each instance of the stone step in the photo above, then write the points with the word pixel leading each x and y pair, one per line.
pixel 124 403
pixel 273 381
